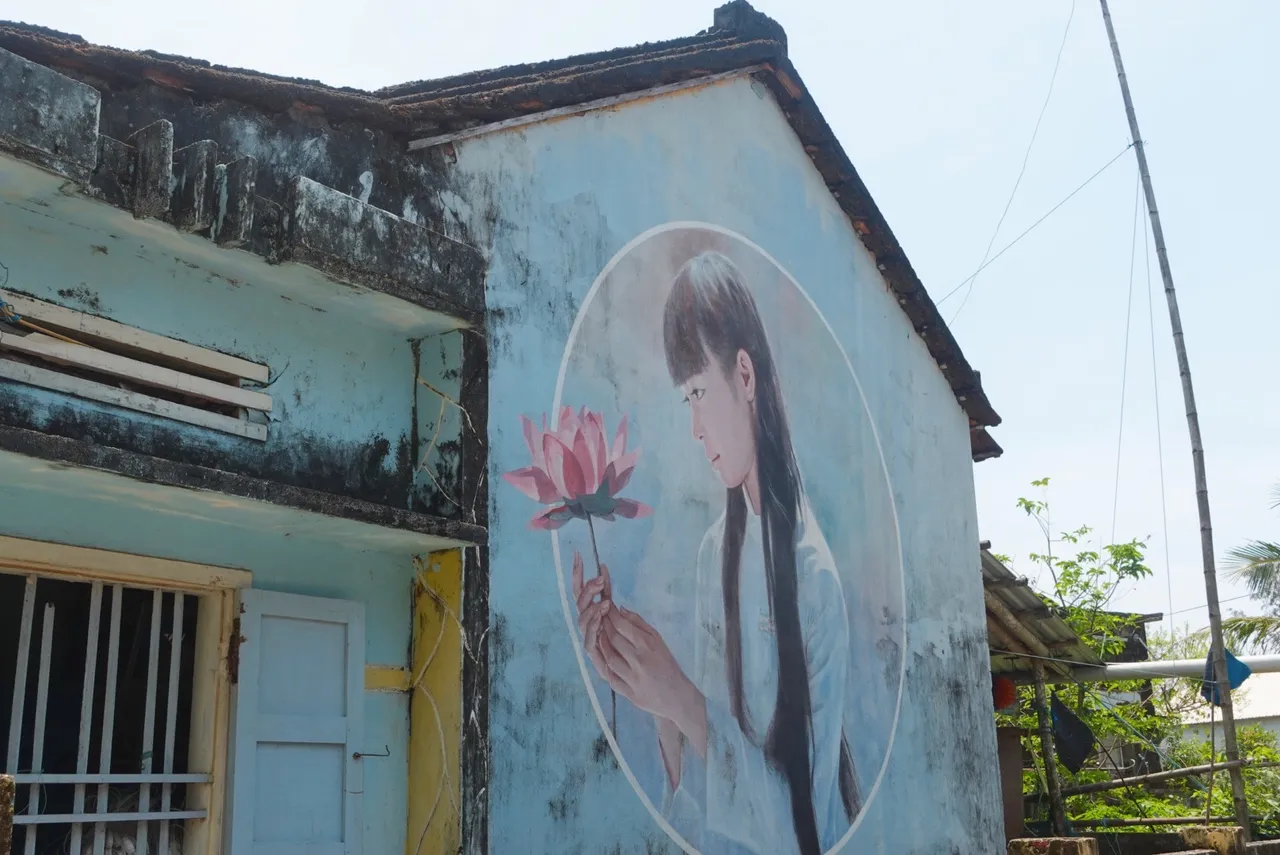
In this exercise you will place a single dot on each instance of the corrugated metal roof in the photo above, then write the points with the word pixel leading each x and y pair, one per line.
pixel 1020 621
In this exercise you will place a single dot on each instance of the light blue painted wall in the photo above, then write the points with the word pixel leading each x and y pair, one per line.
pixel 98 510
pixel 554 203
pixel 343 375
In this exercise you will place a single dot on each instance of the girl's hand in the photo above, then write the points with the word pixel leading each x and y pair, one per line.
pixel 591 614
pixel 647 673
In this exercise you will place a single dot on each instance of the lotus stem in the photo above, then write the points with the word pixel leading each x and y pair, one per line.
pixel 613 696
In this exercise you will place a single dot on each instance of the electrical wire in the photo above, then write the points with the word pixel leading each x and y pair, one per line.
pixel 1124 364
pixel 1026 157
pixel 1203 605
pixel 1032 227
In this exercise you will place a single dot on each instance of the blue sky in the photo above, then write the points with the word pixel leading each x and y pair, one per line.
pixel 935 100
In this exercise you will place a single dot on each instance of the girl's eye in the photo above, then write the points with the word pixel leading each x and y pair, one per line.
pixel 698 393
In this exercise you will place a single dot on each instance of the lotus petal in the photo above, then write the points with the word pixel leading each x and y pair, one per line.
pixel 619 472
pixel 533 439
pixel 593 433
pixel 534 483
pixel 551 519
pixel 619 440
pixel 563 467
pixel 586 462
pixel 568 426
pixel 631 509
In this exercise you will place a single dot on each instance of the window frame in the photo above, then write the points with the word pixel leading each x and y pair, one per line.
pixel 211 682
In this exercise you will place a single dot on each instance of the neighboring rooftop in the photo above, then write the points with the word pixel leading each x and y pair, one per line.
pixel 1023 630
pixel 1258 699
pixel 741 40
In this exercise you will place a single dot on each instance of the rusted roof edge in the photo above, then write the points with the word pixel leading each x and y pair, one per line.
pixel 741 38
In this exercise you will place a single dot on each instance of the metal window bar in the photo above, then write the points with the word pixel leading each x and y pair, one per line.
pixel 42 710
pixel 36 778
pixel 170 722
pixel 20 681
pixel 149 728
pixel 86 708
pixel 108 718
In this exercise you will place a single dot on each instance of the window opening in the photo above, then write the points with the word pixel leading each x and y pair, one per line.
pixel 95 715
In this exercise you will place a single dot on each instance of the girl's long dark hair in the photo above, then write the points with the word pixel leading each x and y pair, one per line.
pixel 711 315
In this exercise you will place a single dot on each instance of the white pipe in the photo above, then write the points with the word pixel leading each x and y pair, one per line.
pixel 1266 664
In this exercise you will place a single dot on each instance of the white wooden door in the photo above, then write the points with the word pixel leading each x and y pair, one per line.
pixel 299 718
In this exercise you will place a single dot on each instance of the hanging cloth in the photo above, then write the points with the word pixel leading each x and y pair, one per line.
pixel 1237 673
pixel 1072 737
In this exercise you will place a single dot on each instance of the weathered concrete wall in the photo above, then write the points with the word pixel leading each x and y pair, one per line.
pixel 349 265
pixel 346 416
pixel 554 204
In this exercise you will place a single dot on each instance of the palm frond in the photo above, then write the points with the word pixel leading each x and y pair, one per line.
pixel 1275 496
pixel 1260 633
pixel 1257 564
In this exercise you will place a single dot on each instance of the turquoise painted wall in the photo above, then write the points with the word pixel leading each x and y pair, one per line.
pixel 285 551
pixel 554 203
pixel 343 365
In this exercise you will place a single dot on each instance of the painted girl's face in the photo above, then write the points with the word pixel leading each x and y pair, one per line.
pixel 721 408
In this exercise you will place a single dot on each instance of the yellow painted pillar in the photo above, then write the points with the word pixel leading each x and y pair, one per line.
pixel 435 707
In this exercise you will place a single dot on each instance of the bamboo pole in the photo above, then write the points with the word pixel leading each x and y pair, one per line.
pixel 1155 820
pixel 1197 445
pixel 1057 811
pixel 1156 777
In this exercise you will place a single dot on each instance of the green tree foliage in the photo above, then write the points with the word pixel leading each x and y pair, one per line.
pixel 1085 578
pixel 1257 564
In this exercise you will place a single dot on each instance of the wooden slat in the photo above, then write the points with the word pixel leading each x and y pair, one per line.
pixel 59 560
pixel 96 327
pixel 91 359
pixel 45 378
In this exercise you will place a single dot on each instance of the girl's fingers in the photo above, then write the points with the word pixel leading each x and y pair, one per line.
pixel 608 581
pixel 597 660
pixel 592 626
pixel 590 591
pixel 640 624
pixel 633 629
pixel 615 661
pixel 626 648
pixel 577 572
pixel 592 612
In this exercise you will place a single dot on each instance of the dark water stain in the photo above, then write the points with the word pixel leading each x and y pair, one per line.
pixel 83 295
pixel 565 805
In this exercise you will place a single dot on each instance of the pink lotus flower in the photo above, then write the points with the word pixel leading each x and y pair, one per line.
pixel 576 470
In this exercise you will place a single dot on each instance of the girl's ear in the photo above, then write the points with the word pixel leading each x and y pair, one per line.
pixel 746 374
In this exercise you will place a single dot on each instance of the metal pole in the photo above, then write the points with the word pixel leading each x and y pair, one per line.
pixel 1197 446
pixel 1057 810
pixel 1157 669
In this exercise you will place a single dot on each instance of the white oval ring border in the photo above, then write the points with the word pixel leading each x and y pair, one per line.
pixel 571 624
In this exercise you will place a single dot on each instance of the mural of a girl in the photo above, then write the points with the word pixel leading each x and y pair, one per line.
pixel 753 741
